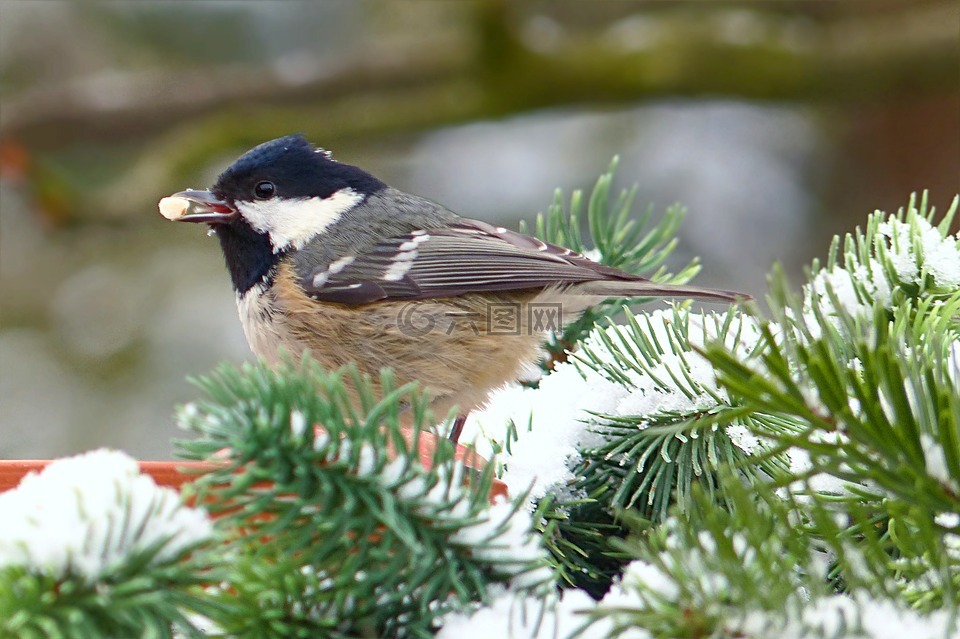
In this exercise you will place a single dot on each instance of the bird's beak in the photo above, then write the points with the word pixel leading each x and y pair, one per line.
pixel 196 206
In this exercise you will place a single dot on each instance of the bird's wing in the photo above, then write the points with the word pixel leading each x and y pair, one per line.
pixel 467 257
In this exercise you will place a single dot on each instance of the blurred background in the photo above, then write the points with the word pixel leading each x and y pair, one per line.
pixel 777 124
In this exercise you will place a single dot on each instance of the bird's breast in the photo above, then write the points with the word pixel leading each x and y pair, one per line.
pixel 264 329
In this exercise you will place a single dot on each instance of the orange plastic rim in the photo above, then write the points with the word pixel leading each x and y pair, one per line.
pixel 176 473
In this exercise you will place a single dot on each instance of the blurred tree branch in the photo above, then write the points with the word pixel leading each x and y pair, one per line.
pixel 752 54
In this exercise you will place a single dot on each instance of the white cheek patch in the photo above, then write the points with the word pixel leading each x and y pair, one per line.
pixel 291 223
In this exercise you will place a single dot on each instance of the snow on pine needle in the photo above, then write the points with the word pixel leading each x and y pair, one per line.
pixel 504 537
pixel 897 281
pixel 91 515
pixel 634 376
pixel 625 378
pixel 896 257
pixel 693 587
pixel 656 356
pixel 521 616
pixel 646 593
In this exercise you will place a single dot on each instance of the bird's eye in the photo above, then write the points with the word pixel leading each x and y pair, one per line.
pixel 264 190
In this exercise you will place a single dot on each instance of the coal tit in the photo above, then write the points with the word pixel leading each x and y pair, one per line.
pixel 327 258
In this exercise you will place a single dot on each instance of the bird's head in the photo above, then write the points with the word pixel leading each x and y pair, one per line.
pixel 275 198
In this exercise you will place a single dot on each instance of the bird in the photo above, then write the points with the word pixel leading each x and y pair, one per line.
pixel 326 258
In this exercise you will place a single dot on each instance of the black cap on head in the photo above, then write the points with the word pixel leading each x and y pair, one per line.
pixel 295 168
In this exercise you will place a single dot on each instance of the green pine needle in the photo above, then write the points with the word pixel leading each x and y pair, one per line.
pixel 617 238
pixel 343 531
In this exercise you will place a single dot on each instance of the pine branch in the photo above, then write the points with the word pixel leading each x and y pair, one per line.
pixel 91 548
pixel 343 531
pixel 866 363
pixel 753 571
pixel 616 238
pixel 578 534
pixel 847 395
pixel 676 433
pixel 674 430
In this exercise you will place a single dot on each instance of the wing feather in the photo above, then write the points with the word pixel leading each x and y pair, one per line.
pixel 467 257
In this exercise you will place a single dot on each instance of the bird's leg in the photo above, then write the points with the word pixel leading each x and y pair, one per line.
pixel 457 428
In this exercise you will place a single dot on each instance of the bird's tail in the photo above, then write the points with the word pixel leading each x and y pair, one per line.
pixel 646 288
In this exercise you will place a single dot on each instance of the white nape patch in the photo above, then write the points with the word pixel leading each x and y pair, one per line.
pixel 291 223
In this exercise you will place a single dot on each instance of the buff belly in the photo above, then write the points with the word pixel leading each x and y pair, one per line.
pixel 459 348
